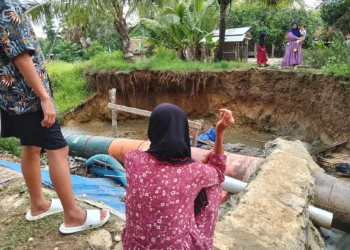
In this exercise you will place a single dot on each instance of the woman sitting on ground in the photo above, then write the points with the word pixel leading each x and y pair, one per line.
pixel 164 182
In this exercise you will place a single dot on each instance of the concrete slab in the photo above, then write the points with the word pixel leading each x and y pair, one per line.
pixel 272 211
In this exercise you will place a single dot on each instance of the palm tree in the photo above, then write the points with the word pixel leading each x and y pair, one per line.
pixel 343 23
pixel 183 25
pixel 224 4
pixel 117 11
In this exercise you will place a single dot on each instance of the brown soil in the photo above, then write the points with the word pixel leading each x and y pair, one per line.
pixel 311 107
pixel 17 233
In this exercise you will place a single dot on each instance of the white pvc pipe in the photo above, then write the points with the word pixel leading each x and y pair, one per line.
pixel 233 186
pixel 318 216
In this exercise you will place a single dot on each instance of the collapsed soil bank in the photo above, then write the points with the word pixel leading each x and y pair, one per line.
pixel 311 107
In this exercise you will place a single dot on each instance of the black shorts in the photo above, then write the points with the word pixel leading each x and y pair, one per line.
pixel 27 127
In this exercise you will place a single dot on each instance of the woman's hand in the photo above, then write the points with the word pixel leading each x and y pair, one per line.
pixel 225 120
pixel 206 157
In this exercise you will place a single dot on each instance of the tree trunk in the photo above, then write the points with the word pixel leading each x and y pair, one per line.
pixel 122 30
pixel 182 53
pixel 198 53
pixel 342 23
pixel 53 44
pixel 222 32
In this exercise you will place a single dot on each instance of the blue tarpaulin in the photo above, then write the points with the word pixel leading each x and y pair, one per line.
pixel 209 135
pixel 98 189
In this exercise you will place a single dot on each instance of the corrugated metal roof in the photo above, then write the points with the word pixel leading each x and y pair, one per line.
pixel 231 35
pixel 239 38
pixel 233 32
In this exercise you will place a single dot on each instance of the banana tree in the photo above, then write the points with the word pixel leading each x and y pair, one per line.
pixel 184 25
pixel 79 11
pixel 210 46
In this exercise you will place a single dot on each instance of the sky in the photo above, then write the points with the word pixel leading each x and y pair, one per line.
pixel 312 3
pixel 40 33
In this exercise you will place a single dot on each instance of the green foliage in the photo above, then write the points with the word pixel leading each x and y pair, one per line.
pixel 98 29
pixel 274 21
pixel 67 51
pixel 336 14
pixel 80 13
pixel 332 10
pixel 68 84
pixel 337 53
pixel 163 59
pixel 184 25
pixel 339 69
pixel 10 145
pixel 51 36
pixel 92 51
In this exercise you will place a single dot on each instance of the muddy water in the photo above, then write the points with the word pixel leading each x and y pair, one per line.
pixel 138 129
pixel 105 129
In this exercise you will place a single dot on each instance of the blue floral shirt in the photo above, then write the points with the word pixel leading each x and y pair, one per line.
pixel 17 36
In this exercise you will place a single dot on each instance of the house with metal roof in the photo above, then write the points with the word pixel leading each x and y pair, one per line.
pixel 236 45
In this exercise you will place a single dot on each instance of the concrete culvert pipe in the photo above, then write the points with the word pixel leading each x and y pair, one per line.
pixel 330 193
pixel 333 195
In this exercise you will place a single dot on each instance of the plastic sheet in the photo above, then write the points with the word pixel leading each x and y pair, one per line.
pixel 98 189
pixel 209 135
pixel 106 160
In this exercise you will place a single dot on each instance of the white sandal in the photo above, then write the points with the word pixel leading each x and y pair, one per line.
pixel 92 221
pixel 56 207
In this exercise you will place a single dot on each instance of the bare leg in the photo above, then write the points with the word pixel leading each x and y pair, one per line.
pixel 296 47
pixel 30 164
pixel 60 176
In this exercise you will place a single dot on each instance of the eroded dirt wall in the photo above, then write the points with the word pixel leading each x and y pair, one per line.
pixel 314 108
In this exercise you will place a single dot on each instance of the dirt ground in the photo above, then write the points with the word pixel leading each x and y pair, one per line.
pixel 17 233
pixel 310 107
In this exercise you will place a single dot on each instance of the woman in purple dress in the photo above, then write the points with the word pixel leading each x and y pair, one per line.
pixel 293 58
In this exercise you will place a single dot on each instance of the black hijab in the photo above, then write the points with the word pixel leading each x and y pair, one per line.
pixel 168 132
pixel 262 39
pixel 296 32
pixel 169 135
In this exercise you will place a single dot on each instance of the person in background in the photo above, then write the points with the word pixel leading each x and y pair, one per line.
pixel 164 182
pixel 262 56
pixel 292 58
pixel 302 36
pixel 28 112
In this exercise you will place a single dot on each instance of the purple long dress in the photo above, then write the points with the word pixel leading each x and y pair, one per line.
pixel 292 58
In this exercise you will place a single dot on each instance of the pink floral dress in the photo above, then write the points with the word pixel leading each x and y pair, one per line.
pixel 160 203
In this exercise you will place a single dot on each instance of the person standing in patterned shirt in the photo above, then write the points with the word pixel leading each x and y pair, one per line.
pixel 28 112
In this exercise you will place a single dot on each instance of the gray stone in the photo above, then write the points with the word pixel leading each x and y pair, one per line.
pixel 119 246
pixel 117 238
pixel 101 239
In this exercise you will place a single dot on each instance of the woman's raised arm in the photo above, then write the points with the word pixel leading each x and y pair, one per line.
pixel 216 159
